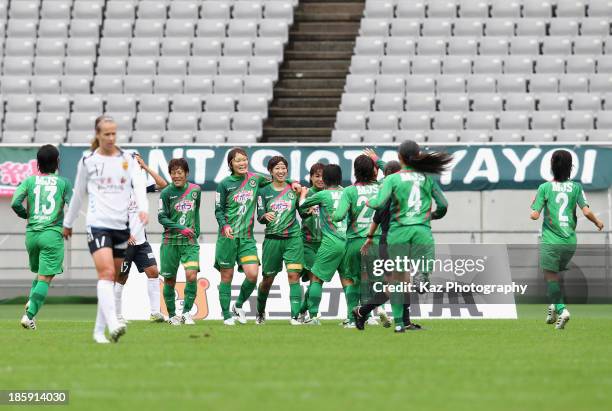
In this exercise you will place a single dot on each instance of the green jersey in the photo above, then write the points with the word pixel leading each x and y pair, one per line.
pixel 46 197
pixel 411 194
pixel 328 201
pixel 311 225
pixel 559 202
pixel 179 208
pixel 353 203
pixel 235 202
pixel 284 204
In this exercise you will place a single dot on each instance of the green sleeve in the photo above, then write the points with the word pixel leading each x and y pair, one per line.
pixel 261 209
pixel 383 194
pixel 311 201
pixel 344 206
pixel 220 205
pixel 581 198
pixel 381 164
pixel 17 202
pixel 197 214
pixel 441 202
pixel 539 200
pixel 67 191
pixel 163 215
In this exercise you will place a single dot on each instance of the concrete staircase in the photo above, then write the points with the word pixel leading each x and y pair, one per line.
pixel 313 74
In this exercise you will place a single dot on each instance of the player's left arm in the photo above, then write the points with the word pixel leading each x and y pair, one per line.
pixel 440 200
pixel 140 191
pixel 160 182
pixel 306 203
pixel 17 201
pixel 344 206
pixel 538 203
pixel 586 210
pixel 261 210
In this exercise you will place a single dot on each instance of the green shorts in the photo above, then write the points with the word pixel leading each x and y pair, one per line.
pixel 353 262
pixel 329 259
pixel 412 241
pixel 276 250
pixel 173 255
pixel 45 251
pixel 229 252
pixel 556 257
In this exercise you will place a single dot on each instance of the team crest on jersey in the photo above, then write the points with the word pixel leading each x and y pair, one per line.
pixel 125 165
pixel 280 206
pixel 194 195
pixel 184 206
pixel 291 195
pixel 252 183
pixel 243 196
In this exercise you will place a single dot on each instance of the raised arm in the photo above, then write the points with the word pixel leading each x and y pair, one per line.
pixel 160 182
pixel 383 194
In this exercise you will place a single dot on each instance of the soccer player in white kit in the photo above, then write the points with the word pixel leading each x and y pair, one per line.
pixel 139 251
pixel 108 175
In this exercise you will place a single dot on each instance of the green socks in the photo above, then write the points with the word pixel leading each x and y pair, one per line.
pixel 225 296
pixel 246 289
pixel 314 298
pixel 397 308
pixel 295 299
pixel 554 295
pixel 37 298
pixel 304 306
pixel 170 300
pixel 34 282
pixel 262 298
pixel 351 293
pixel 191 289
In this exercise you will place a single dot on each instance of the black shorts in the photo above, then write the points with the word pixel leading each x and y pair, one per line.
pixel 98 238
pixel 141 255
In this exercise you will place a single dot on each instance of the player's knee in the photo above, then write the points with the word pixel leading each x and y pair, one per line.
pixel 107 273
pixel 152 272
pixel 171 282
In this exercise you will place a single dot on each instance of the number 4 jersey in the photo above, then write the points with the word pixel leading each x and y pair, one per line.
pixel 559 202
pixel 46 197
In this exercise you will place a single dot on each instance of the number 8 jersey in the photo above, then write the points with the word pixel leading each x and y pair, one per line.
pixel 559 202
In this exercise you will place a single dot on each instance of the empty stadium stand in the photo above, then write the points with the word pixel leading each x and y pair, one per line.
pixel 478 71
pixel 157 66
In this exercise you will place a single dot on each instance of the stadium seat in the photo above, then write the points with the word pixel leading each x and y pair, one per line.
pixel 486 102
pixel 24 28
pixel 549 65
pixel 80 137
pixel 375 27
pixel 557 45
pixel 198 84
pixel 539 136
pixel 49 137
pixel 17 137
pixel 118 103
pixel 456 65
pixel 588 45
pixel 420 102
pixel 475 136
pixel 401 28
pixel 356 102
pixel 388 102
pixel 81 47
pixel 500 8
pixel 236 66
pixel 543 84
pixel 248 122
pixel 21 103
pixel 499 27
pixel 242 137
pixel 435 27
pixel 552 101
pixel 84 28
pixel 457 84
pixel 431 46
pixel 578 120
pixel 178 137
pixel 79 66
pixel 379 9
pixel 154 122
pixel 253 104
pixel 238 47
pixel 269 47
pixel 124 121
pixel 369 46
pixel 519 102
pixel 19 122
pixel 108 84
pixel 171 66
pixel 114 47
pixel 573 83
pixel 531 27
pixel 415 120
pixel 570 8
pixel 378 137
pixel 546 120
pixel 180 27
pixel 419 83
pixel 202 66
pixel 180 121
pixel 425 65
pixel 525 45
pixel 595 26
pixel 211 28
pixel 509 136
pixel 146 137
pixel 215 122
pixel 220 103
pixel 274 28
pixel 493 46
pixel 409 9
pixel 403 135
pixel 216 10
pixel 350 120
pixel 87 103
pixel 443 136
pixel 140 66
pixel 563 27
pixel 227 85
pixel 149 28
pixel 480 121
pixel 346 136
pixel 51 122
pixel 111 66
pixel 186 103
pixel 453 102
pixel 118 28
pixel 570 135
pixel 210 137
pixel 73 84
pixel 206 47
pixel 447 121
pixel 15 66
pixel 585 101
pixel 279 10
pixel 263 66
pixel 400 46
pixel 145 47
pixel 518 65
pixel 247 10
pixel 157 103
pixel 52 103
pixel 388 65
pixel 513 120
pixel 138 84
pixel 462 46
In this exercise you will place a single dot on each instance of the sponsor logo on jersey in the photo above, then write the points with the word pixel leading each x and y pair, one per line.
pixel 184 206
pixel 243 196
pixel 280 205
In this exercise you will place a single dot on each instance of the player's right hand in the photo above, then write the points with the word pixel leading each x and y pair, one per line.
pixel 600 225
pixel 187 232
pixel 269 216
pixel 371 153
pixel 366 246
pixel 131 240
pixel 228 232
pixel 67 233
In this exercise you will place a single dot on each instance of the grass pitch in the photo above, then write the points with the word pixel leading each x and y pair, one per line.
pixel 453 365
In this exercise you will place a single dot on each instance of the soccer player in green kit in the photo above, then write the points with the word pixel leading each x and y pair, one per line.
pixel 353 204
pixel 333 245
pixel 179 214
pixel 235 212
pixel 46 195
pixel 276 208
pixel 412 191
pixel 558 199
pixel 311 232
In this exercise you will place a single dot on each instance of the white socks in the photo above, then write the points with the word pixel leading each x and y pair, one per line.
pixel 106 301
pixel 118 290
pixel 153 289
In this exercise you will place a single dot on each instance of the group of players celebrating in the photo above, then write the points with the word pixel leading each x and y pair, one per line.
pixel 339 226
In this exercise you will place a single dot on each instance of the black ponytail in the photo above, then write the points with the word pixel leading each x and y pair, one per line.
pixel 432 163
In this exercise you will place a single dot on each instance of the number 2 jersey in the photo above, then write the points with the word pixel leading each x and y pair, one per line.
pixel 353 204
pixel 46 197
pixel 412 195
pixel 179 208
pixel 559 202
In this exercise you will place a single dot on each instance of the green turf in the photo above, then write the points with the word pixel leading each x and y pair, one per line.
pixel 454 365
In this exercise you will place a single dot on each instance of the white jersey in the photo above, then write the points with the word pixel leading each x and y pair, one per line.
pixel 137 229
pixel 109 181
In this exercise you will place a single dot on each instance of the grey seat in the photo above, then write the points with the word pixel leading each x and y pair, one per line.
pixel 539 136
pixel 15 66
pixel 82 121
pixel 170 84
pixel 519 102
pixel 181 121
pixel 369 46
pixel 384 83
pixel 274 28
pixel 176 46
pixel 215 122
pixel 486 102
pixel 87 103
pixel 350 120
pixel 145 47
pixel 210 137
pixel 506 136
pixel 87 10
pixel 385 121
pixel 24 9
pixel 147 137
pixel 378 9
pixel 242 137
pixel 448 120
pixel 588 45
pixel 207 47
pixel 549 65
pixel 573 83
pixel 118 28
pixel 401 27
pixel 563 27
pixel 570 135
pixel 184 9
pixel 499 27
pixel 25 28
pixel 475 136
pixel 84 28
pixel 267 47
pixel 45 85
pixel 463 46
pixel 111 66
pixel 15 85
pixel 251 122
pixel 600 83
pixel 149 28
pixel 186 103
pixel 468 27
pixel 17 137
pixel 138 84
pixel 52 103
pixel 51 122
pixel 415 120
pixel 21 103
pixel 378 136
pixel 557 45
pixel 501 8
pixel 595 26
pixel 114 47
pixel 578 120
pixel 409 9
pixel 227 85
pixel 152 9
pixel 356 102
pixel 403 135
pixel 171 66
pixel 79 66
pixel 420 102
pixel 155 122
pixel 389 102
pixel 570 8
pixel 53 28
pixel 253 104
pixel 443 136
pixel 74 84
pixel 81 47
pixel 233 66
pixel 425 65
pixel 140 66
pixel 120 103
pixel 124 121
pixel 579 65
pixel 247 10
pixel 346 136
pixel 19 121
pixel 370 65
pixel 531 27
pixel 585 101
pixel 400 46
pixel 263 66
pixel 546 120
pixel 604 64
pixel 513 120
pixel 457 83
pixel 456 65
pixel 454 102
pixel 537 9
pixel 436 27
pixel 431 46
pixel 219 103
pixel 518 65
pixel 80 137
pixel 15 47
pixel 246 28
pixel 178 137
pixel 525 45
pixel 600 135
pixel 374 27
pixel 200 66
pixel 49 137
pixel 604 121
pixel 493 46
pixel 216 9
pixel 473 8
pixel 58 9
pixel 258 85
pixel 543 84
pixel 157 103
pixel 237 47
pixel 487 65
pixel 211 28
pixel 180 27
pixel 116 9
pixel 196 84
